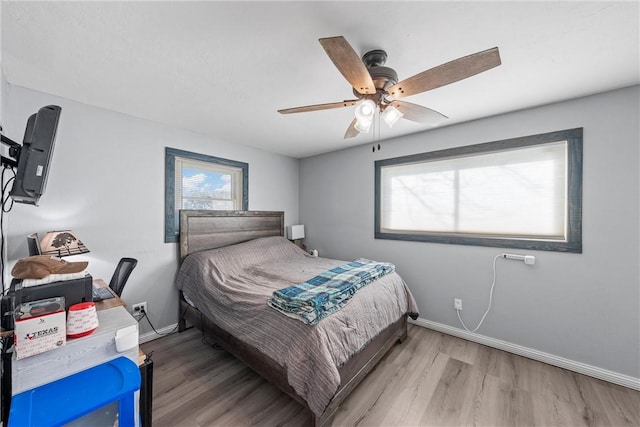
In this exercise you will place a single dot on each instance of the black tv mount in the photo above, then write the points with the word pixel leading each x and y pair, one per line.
pixel 14 151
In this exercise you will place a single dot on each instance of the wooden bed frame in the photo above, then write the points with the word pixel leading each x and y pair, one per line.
pixel 202 230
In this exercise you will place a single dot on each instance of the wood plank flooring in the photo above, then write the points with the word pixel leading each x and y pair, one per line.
pixel 431 379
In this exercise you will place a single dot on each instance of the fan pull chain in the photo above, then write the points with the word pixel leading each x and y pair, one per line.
pixel 376 137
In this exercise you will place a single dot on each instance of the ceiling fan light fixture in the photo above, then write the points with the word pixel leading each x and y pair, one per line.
pixel 391 115
pixel 365 111
pixel 363 126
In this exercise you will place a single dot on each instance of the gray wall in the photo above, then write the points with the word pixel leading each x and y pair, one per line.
pixel 3 85
pixel 106 183
pixel 3 89
pixel 583 307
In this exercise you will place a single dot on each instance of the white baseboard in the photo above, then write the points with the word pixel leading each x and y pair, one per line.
pixel 150 336
pixel 561 362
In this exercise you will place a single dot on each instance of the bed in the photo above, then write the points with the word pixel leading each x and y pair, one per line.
pixel 232 261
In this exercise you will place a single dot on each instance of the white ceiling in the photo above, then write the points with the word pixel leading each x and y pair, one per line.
pixel 225 68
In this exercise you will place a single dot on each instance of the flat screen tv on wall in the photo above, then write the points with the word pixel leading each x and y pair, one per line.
pixel 33 157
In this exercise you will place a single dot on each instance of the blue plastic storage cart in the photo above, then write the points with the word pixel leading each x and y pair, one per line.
pixel 67 399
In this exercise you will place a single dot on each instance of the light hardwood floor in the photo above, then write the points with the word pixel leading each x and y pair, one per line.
pixel 431 379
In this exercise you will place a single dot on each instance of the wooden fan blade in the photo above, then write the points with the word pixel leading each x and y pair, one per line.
pixel 351 130
pixel 318 107
pixel 349 64
pixel 447 73
pixel 418 113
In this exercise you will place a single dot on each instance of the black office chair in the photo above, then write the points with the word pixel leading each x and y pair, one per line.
pixel 33 244
pixel 122 273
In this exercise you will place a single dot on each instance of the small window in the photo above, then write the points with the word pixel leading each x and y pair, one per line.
pixel 197 181
pixel 518 193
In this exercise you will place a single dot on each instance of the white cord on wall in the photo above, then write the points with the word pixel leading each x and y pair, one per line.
pixel 490 298
pixel 528 259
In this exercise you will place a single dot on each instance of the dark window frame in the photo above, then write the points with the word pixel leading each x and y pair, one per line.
pixel 573 242
pixel 171 233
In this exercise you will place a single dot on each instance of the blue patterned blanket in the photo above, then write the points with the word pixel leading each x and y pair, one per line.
pixel 328 292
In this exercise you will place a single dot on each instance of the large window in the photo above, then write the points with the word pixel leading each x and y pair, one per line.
pixel 197 181
pixel 517 193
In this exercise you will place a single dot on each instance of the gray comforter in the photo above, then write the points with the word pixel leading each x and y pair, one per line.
pixel 231 286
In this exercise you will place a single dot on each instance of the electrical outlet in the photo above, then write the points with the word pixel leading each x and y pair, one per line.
pixel 140 308
pixel 457 303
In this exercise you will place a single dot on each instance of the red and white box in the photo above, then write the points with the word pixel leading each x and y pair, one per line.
pixel 39 326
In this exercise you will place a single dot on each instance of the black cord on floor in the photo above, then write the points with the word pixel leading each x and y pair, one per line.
pixel 175 329
pixel 213 345
pixel 144 316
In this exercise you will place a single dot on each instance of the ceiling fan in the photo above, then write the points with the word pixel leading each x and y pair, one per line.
pixel 376 87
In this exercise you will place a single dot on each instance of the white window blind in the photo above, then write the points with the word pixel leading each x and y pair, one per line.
pixel 513 193
pixel 204 185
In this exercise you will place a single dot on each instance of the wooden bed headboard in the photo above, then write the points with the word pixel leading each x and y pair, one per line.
pixel 201 229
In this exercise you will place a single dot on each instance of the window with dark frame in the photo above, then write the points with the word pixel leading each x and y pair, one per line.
pixel 518 193
pixel 198 181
